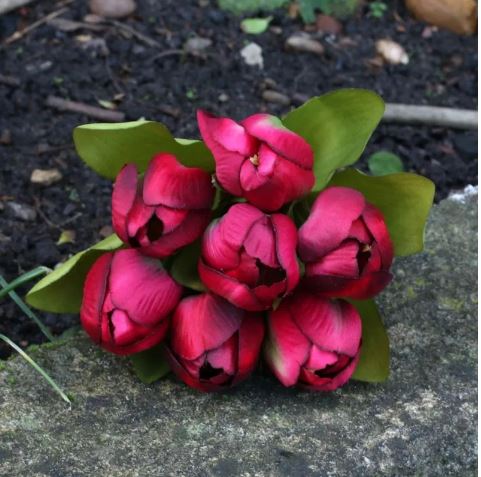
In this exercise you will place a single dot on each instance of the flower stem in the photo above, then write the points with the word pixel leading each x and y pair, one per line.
pixel 36 366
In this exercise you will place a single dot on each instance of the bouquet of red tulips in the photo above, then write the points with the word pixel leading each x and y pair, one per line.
pixel 255 243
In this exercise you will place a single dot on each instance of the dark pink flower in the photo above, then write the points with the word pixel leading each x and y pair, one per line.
pixel 346 246
pixel 213 344
pixel 313 342
pixel 249 258
pixel 127 300
pixel 170 208
pixel 259 159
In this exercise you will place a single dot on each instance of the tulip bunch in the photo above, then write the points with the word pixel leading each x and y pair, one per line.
pixel 271 287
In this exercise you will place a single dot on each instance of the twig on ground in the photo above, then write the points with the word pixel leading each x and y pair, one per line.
pixel 431 116
pixel 20 34
pixel 140 36
pixel 9 80
pixel 8 5
pixel 166 53
pixel 82 108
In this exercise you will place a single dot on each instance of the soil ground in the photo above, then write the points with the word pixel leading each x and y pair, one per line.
pixel 89 66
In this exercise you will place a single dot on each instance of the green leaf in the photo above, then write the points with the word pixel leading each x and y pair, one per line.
pixel 384 162
pixel 255 26
pixel 237 7
pixel 374 363
pixel 61 290
pixel 184 267
pixel 405 199
pixel 338 126
pixel 107 147
pixel 150 365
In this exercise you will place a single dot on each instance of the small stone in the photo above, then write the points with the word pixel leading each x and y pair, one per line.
pixel 197 45
pixel 252 54
pixel 268 83
pixel 106 231
pixel 392 52
pixel 45 177
pixel 93 19
pixel 112 8
pixel 277 30
pixel 6 137
pixel 329 25
pixel 303 43
pixel 275 97
pixel 22 211
pixel 223 98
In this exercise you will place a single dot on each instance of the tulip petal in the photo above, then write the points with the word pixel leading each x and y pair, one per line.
pixel 170 218
pixel 223 239
pixel 202 323
pixel 167 182
pixel 123 197
pixel 247 272
pixel 178 367
pixel 138 217
pixel 329 222
pixel 287 348
pixel 267 294
pixel 311 381
pixel 260 242
pixel 319 358
pixel 94 291
pixel 142 288
pixel 269 197
pixel 359 231
pixel 250 177
pixel 333 325
pixel 251 336
pixel 225 356
pixel 341 262
pixel 367 286
pixel 375 222
pixel 270 130
pixel 227 287
pixel 286 242
pixel 187 232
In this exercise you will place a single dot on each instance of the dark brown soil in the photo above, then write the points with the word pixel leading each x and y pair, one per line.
pixel 442 71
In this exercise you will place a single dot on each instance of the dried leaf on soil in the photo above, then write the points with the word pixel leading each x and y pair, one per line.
pixel 459 16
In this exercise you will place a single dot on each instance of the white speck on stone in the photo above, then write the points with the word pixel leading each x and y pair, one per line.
pixel 252 54
pixel 461 196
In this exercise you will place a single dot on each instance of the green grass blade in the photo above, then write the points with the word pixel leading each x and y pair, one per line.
pixel 26 277
pixel 36 366
pixel 21 304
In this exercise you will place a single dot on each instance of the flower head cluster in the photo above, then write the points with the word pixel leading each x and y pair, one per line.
pixel 269 285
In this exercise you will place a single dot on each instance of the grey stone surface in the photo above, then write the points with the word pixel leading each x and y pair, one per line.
pixel 421 422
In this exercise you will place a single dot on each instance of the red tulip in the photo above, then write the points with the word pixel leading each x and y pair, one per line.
pixel 127 300
pixel 213 344
pixel 170 208
pixel 249 258
pixel 258 159
pixel 313 342
pixel 346 246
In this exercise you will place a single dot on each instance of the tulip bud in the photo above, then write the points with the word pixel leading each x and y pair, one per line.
pixel 346 246
pixel 169 209
pixel 259 159
pixel 127 300
pixel 213 344
pixel 313 342
pixel 249 258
